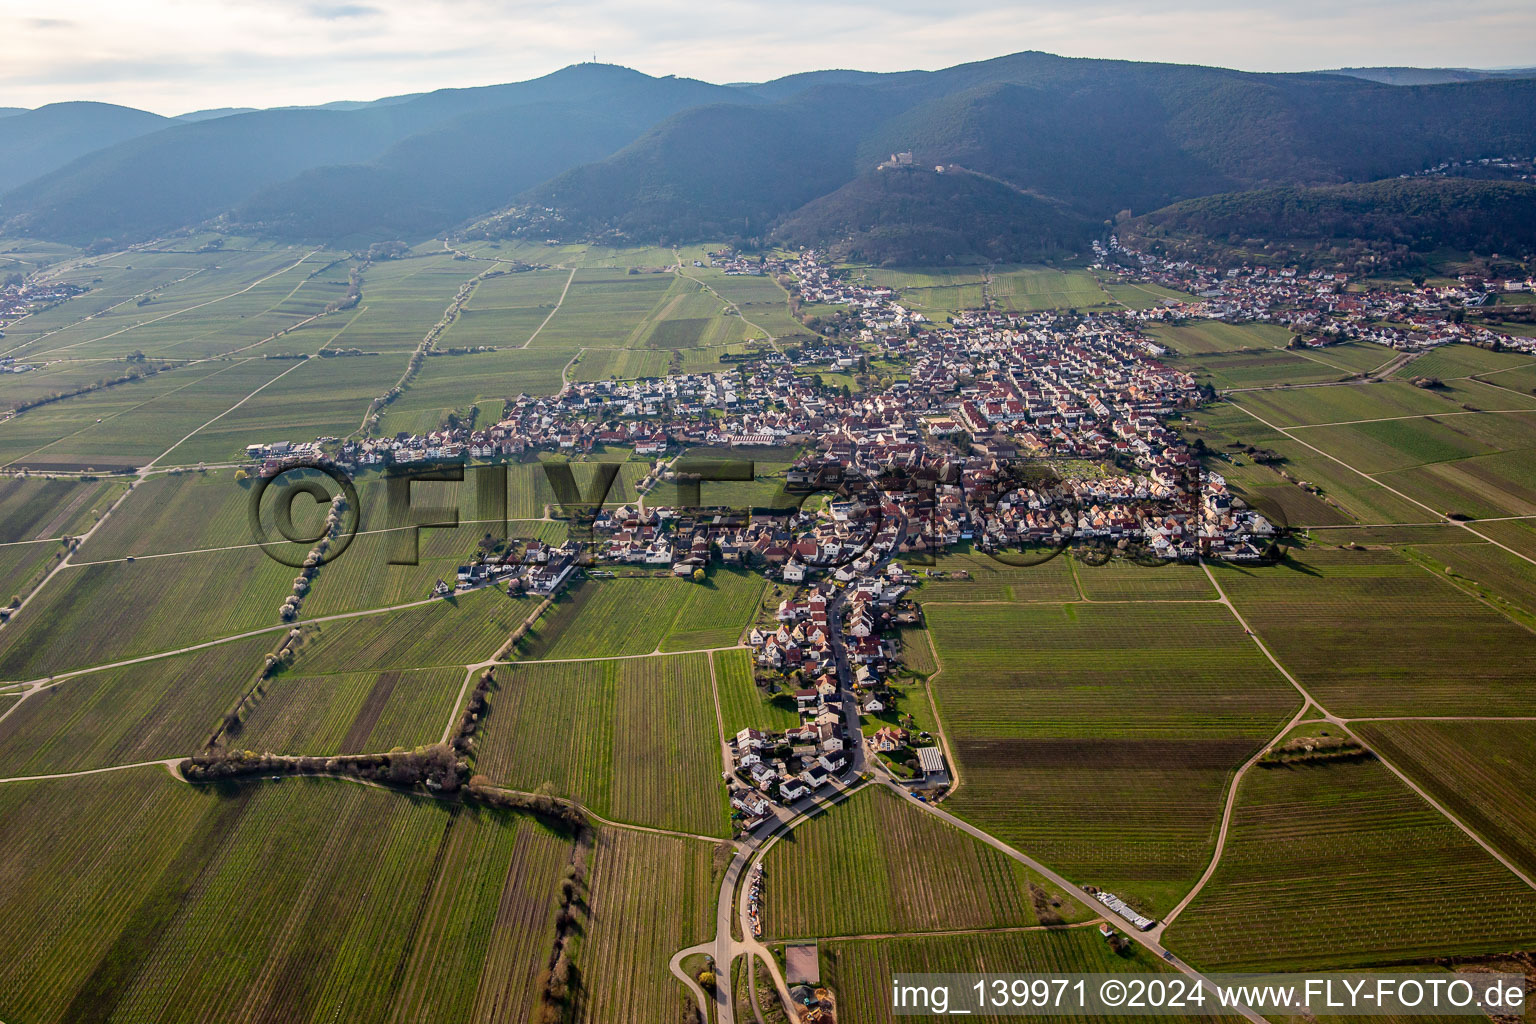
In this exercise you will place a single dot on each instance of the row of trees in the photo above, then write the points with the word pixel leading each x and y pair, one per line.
pixel 85 389
pixel 562 978
pixel 435 767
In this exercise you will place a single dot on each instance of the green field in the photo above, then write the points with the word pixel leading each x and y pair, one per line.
pixel 1520 379
pixel 635 739
pixel 1517 534
pixel 156 709
pixel 388 907
pixel 1122 580
pixel 760 300
pixel 604 618
pixel 651 896
pixel 1346 494
pixel 1481 771
pixel 1030 288
pixel 874 864
pixel 130 424
pixel 454 631
pixel 1256 355
pixel 934 291
pixel 198 304
pixel 1497 485
pixel 1342 865
pixel 105 612
pixel 1389 536
pixel 40 508
pixel 1100 737
pixel 351 712
pixel 940 291
pixel 1354 402
pixel 209 319
pixel 1145 296
pixel 23 566
pixel 1462 361
pixel 320 397
pixel 459 383
pixel 1458 461
pixel 1381 446
pixel 991 579
pixel 170 513
pixel 1489 572
pixel 1245 356
pixel 1255 369
pixel 917 651
pixel 1207 337
pixel 1370 633
pixel 742 704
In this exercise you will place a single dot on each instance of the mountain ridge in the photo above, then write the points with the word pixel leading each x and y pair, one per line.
pixel 605 152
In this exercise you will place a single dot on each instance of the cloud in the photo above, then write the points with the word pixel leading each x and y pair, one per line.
pixel 336 12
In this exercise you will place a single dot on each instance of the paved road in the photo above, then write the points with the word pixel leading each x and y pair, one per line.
pixel 1143 938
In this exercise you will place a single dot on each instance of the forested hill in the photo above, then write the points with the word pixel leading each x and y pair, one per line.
pixel 596 151
pixel 35 142
pixel 1101 137
pixel 1396 220
pixel 258 166
pixel 920 215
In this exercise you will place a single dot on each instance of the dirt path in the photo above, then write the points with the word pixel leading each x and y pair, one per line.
pixel 938 719
pixel 1145 939
pixel 1008 930
pixel 1343 724
pixel 757 1007
pixel 558 303
pixel 1226 819
pixel 170 764
pixel 151 463
pixel 565 371
pixel 1396 363
pixel 185 309
pixel 726 764
pixel 1388 487
pixel 772 340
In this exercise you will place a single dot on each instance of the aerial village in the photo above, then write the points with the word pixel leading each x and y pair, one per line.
pixel 1321 306
pixel 1009 433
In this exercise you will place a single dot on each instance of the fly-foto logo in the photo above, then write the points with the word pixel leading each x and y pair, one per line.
pixel 824 514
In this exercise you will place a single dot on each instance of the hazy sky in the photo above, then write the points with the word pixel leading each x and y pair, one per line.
pixel 172 56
